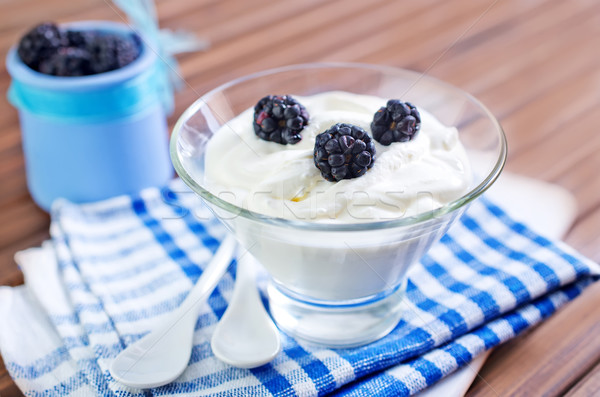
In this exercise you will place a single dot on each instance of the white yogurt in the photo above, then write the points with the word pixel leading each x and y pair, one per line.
pixel 282 181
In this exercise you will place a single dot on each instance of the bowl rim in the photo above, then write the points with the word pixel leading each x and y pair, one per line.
pixel 317 226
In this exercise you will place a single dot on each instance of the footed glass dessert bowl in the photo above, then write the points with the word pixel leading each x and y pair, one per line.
pixel 338 284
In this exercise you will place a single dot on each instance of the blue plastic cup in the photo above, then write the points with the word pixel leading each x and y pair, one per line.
pixel 92 137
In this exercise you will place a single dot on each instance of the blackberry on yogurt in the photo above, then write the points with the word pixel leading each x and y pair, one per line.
pixel 280 119
pixel 344 151
pixel 397 121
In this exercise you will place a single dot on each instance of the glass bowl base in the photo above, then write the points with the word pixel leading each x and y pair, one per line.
pixel 336 325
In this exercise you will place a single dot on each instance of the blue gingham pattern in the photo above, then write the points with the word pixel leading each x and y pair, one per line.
pixel 123 264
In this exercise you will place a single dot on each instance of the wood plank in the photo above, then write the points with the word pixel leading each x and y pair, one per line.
pixel 241 18
pixel 582 178
pixel 270 38
pixel 255 51
pixel 588 386
pixel 11 161
pixel 7 386
pixel 14 188
pixel 567 130
pixel 378 48
pixel 585 236
pixel 56 11
pixel 26 15
pixel 20 221
pixel 306 42
pixel 178 9
pixel 549 359
pixel 518 43
pixel 522 57
pixel 10 274
pixel 13 181
pixel 533 123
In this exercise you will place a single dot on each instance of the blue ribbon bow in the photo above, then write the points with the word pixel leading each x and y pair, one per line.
pixel 164 42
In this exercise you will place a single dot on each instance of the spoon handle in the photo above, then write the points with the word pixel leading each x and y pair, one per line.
pixel 210 277
pixel 163 354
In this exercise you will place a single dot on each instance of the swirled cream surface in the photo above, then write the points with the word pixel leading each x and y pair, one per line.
pixel 407 178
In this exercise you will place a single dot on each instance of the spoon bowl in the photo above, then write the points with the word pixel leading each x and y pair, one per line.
pixel 246 337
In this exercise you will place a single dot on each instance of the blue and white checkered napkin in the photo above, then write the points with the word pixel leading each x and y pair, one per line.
pixel 121 265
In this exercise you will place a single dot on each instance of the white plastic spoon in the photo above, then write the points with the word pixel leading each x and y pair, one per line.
pixel 246 337
pixel 162 355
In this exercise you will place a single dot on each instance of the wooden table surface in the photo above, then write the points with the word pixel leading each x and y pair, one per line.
pixel 534 63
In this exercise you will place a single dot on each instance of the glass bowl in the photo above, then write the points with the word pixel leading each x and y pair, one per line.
pixel 338 284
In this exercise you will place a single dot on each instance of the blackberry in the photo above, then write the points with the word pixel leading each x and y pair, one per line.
pixel 280 119
pixel 40 43
pixel 110 52
pixel 51 50
pixel 67 61
pixel 396 122
pixel 79 39
pixel 344 151
pixel 128 49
